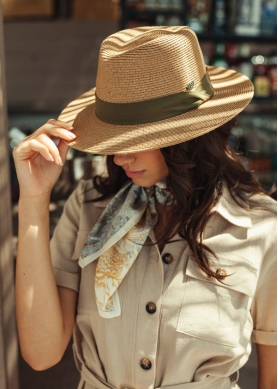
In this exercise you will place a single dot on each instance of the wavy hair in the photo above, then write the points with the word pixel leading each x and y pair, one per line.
pixel 197 170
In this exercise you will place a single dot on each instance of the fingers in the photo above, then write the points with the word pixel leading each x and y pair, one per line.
pixel 63 150
pixel 55 128
pixel 48 150
pixel 27 149
pixel 56 123
pixel 59 123
pixel 51 147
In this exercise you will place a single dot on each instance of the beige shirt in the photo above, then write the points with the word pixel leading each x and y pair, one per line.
pixel 201 329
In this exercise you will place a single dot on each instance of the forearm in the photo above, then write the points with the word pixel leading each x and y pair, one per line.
pixel 38 308
pixel 267 366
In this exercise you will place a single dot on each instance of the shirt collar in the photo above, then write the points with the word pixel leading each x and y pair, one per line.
pixel 231 211
pixel 103 203
pixel 226 207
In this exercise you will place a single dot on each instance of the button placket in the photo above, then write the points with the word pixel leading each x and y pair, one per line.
pixel 148 322
pixel 175 251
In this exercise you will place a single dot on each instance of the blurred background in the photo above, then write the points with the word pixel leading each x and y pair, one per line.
pixel 50 55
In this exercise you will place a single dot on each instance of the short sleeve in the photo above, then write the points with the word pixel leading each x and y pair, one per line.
pixel 264 308
pixel 62 245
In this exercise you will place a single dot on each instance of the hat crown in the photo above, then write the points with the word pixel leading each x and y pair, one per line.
pixel 148 62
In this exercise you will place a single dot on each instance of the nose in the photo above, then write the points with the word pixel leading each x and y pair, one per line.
pixel 123 159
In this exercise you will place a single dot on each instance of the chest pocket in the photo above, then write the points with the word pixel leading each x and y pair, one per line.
pixel 217 312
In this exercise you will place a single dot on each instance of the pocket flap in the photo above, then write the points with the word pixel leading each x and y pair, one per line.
pixel 241 276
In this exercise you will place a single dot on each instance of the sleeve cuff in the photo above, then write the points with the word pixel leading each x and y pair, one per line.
pixel 263 337
pixel 67 280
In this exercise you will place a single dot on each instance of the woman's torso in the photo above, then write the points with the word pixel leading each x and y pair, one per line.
pixel 176 326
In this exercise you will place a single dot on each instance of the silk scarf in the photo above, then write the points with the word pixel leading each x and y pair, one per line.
pixel 117 239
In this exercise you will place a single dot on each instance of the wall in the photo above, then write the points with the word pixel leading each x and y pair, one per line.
pixel 50 63
pixel 8 337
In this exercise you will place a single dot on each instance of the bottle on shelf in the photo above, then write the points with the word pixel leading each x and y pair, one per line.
pixel 268 25
pixel 151 4
pixel 198 15
pixel 260 139
pixel 176 5
pixel 163 5
pixel 245 65
pixel 272 72
pixel 231 55
pixel 261 80
pixel 247 17
pixel 219 23
pixel 160 20
pixel 134 4
pixel 219 56
pixel 174 20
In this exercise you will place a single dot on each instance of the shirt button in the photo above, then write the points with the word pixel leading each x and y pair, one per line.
pixel 221 272
pixel 151 307
pixel 167 258
pixel 145 364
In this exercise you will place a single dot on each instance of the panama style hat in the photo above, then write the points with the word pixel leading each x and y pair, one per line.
pixel 153 90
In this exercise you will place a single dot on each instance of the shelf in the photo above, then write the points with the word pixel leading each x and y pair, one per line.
pixel 237 38
pixel 266 100
pixel 262 105
pixel 142 14
pixel 152 12
pixel 148 16
pixel 203 37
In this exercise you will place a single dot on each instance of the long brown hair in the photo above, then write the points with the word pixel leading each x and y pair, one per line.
pixel 197 170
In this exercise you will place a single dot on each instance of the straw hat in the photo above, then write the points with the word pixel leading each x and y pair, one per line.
pixel 153 90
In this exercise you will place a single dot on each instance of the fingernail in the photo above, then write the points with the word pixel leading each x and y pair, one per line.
pixel 71 135
pixel 51 158
pixel 60 161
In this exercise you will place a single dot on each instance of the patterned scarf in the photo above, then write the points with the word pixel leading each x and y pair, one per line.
pixel 117 238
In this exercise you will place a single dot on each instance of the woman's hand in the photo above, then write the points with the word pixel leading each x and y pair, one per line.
pixel 39 161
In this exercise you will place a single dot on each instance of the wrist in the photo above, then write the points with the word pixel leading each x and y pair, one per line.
pixel 37 198
pixel 39 203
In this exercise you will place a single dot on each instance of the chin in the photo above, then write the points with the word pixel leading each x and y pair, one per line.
pixel 143 183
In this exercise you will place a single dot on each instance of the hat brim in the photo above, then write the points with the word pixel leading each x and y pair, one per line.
pixel 232 93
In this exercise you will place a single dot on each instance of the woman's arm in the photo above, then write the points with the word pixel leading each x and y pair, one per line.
pixel 45 315
pixel 267 366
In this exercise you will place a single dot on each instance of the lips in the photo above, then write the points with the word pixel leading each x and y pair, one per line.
pixel 133 174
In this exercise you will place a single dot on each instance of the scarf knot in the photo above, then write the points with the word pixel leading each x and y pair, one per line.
pixel 118 237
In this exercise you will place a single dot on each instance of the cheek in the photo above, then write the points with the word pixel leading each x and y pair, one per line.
pixel 164 169
pixel 159 161
pixel 163 166
pixel 155 168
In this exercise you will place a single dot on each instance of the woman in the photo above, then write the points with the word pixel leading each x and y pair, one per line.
pixel 164 270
